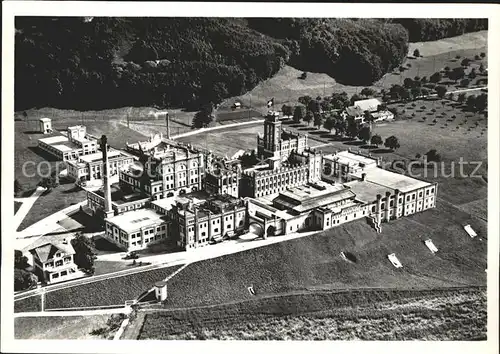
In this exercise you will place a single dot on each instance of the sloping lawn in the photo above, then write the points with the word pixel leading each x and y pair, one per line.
pixel 114 291
pixel 29 304
pixel 314 262
pixel 49 203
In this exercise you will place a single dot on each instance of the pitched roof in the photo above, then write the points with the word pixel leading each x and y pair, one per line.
pixel 370 104
pixel 47 251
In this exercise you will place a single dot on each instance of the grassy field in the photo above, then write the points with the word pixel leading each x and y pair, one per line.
pixel 30 304
pixel 17 205
pixel 59 198
pixel 286 87
pixel 314 262
pixel 228 142
pixel 358 315
pixel 114 291
pixel 72 327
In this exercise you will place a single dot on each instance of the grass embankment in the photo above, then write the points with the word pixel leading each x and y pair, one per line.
pixel 17 205
pixel 454 314
pixel 114 291
pixel 29 304
pixel 314 262
pixel 71 327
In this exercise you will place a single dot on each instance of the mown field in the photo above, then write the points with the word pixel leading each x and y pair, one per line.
pixel 314 262
pixel 71 327
pixel 29 304
pixel 114 291
pixel 453 314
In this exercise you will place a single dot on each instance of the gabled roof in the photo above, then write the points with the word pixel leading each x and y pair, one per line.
pixel 370 104
pixel 47 251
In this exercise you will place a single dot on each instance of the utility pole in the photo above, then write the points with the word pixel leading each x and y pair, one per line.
pixel 128 123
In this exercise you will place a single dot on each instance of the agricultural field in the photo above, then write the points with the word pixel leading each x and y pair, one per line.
pixel 315 262
pixel 453 314
pixel 67 327
pixel 29 304
pixel 286 86
pixel 113 291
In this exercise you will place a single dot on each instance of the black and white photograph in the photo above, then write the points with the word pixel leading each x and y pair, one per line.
pixel 276 176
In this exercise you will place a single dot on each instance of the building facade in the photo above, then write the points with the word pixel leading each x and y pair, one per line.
pixel 90 167
pixel 77 143
pixel 45 125
pixel 135 230
pixel 54 262
pixel 167 169
pixel 276 142
pixel 214 219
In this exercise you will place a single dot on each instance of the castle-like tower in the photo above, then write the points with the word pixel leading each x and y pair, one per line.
pixel 277 143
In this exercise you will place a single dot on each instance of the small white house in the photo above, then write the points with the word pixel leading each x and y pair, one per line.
pixel 236 105
pixel 45 125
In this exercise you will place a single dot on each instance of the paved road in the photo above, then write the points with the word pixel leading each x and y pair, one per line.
pixel 204 130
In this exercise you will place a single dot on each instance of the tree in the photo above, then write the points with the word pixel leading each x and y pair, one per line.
pixel 318 120
pixel 392 143
pixel 24 279
pixel 457 74
pixel 482 55
pixel 303 76
pixel 481 102
pixel 299 113
pixel 355 98
pixel 367 92
pixel 329 124
pixel 416 53
pixel 352 128
pixel 436 77
pixel 309 117
pixel 305 100
pixel 20 260
pixel 287 110
pixel 376 140
pixel 450 96
pixel 202 118
pixel 471 103
pixel 401 69
pixel 465 62
pixel 441 91
pixel 50 182
pixel 408 83
pixel 84 252
pixel 472 74
pixel 464 82
pixel 461 97
pixel 340 126
pixel 314 106
pixel 365 134
pixel 433 156
pixel 18 188
pixel 482 68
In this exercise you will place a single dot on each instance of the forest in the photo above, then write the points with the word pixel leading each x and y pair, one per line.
pixel 105 62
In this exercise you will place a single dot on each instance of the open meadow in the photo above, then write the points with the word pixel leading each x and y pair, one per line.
pixel 67 327
pixel 453 314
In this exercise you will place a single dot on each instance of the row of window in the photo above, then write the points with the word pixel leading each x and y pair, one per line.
pixel 62 274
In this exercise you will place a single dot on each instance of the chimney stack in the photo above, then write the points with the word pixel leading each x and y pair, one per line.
pixel 108 210
pixel 363 176
pixel 167 119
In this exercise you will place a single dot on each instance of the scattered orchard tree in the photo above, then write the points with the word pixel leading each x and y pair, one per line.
pixel 305 100
pixel 318 120
pixel 309 117
pixel 392 143
pixel 433 156
pixel 303 76
pixel 416 53
pixel 204 117
pixel 441 91
pixel 365 134
pixel 287 110
pixel 376 140
pixel 482 55
pixel 367 92
pixel 329 124
pixel 465 62
pixel 299 113
pixel 436 77
pixel 464 82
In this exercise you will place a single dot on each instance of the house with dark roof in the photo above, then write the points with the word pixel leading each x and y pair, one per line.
pixel 53 260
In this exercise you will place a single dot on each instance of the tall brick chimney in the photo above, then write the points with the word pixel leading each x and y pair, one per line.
pixel 108 210
pixel 167 119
